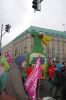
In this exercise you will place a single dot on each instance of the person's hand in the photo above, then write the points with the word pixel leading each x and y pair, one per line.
pixel 5 96
pixel 3 93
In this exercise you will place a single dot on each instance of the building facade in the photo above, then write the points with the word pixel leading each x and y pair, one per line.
pixel 56 49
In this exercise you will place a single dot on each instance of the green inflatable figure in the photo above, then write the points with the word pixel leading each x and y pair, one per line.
pixel 37 47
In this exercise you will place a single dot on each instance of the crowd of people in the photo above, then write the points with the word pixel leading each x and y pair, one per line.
pixel 57 77
pixel 12 82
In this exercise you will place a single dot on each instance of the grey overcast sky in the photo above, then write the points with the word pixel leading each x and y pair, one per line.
pixel 20 15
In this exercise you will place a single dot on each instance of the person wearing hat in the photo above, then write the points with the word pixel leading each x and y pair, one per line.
pixel 14 85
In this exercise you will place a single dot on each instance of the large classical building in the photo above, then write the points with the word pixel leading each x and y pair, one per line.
pixel 56 49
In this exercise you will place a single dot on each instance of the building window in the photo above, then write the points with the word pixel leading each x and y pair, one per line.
pixel 16 51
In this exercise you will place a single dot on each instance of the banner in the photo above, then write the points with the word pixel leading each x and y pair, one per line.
pixel 4 63
pixel 8 57
pixel 31 81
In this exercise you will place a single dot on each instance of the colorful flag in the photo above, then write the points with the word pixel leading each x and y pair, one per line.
pixel 4 63
pixel 8 57
pixel 31 81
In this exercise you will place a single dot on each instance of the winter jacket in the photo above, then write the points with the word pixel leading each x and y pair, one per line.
pixel 50 71
pixel 14 86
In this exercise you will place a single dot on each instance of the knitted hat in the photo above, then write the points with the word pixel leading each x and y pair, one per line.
pixel 19 60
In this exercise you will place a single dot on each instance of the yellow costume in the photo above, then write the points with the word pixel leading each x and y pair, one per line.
pixel 45 39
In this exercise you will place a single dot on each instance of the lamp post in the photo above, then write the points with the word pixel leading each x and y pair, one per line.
pixel 7 29
pixel 64 27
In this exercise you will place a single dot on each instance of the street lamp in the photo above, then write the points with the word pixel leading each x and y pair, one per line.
pixel 7 29
pixel 64 27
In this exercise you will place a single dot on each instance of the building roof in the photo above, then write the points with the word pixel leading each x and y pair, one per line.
pixel 47 31
pixel 44 30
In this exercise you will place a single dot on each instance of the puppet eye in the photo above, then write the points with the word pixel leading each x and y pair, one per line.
pixel 40 35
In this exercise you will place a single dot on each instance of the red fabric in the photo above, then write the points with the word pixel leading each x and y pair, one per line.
pixel 28 70
pixel 50 71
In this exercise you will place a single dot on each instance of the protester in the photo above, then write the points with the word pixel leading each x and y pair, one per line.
pixel 58 66
pixel 14 86
pixel 59 83
pixel 63 66
pixel 63 76
pixel 29 70
pixel 1 70
pixel 3 76
pixel 50 71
